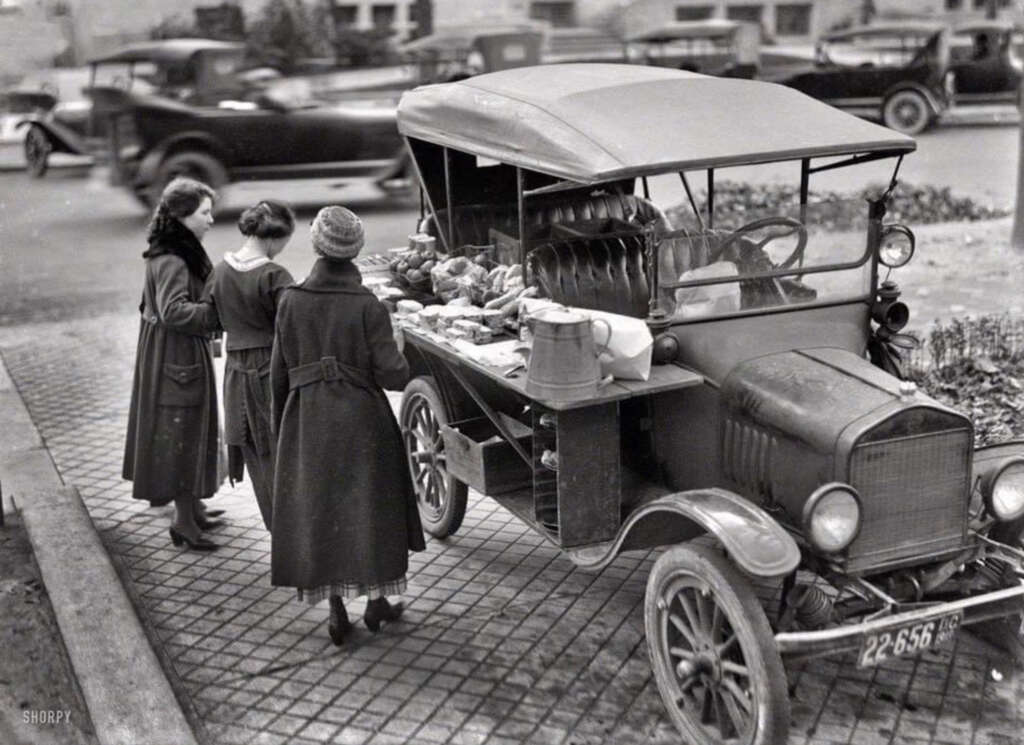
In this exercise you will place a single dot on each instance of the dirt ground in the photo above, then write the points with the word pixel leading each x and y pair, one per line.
pixel 35 675
pixel 961 269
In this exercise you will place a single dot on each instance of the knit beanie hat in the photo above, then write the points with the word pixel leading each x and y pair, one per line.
pixel 337 233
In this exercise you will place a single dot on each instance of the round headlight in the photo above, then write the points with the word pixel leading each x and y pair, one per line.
pixel 832 517
pixel 896 246
pixel 1003 490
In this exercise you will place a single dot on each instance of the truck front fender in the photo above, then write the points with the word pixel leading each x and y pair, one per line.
pixel 754 541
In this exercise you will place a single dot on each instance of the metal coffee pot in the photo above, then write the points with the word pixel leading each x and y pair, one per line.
pixel 564 358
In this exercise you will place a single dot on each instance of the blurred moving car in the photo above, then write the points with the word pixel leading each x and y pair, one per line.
pixel 187 107
pixel 892 72
pixel 716 46
pixel 986 63
pixel 458 52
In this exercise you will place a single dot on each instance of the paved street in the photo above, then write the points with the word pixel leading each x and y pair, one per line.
pixel 503 642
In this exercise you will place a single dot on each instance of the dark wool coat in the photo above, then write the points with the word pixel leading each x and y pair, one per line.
pixel 171 444
pixel 344 507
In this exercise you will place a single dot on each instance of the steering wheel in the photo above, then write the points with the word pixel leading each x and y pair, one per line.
pixel 794 225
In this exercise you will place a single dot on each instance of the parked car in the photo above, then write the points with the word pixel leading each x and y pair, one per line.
pixel 806 500
pixel 187 107
pixel 716 46
pixel 986 64
pixel 462 51
pixel 895 73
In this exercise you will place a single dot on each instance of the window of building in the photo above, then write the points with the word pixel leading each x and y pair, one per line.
pixel 954 4
pixel 694 12
pixel 793 19
pixel 750 13
pixel 345 16
pixel 556 12
pixel 383 16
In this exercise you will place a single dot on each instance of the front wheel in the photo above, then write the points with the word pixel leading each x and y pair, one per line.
pixel 907 112
pixel 441 497
pixel 714 657
pixel 193 164
pixel 37 151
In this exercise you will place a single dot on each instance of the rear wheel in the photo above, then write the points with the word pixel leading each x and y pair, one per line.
pixel 193 164
pixel 37 151
pixel 712 651
pixel 907 112
pixel 441 497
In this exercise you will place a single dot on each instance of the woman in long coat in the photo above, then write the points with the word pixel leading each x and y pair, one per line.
pixel 245 288
pixel 344 509
pixel 171 445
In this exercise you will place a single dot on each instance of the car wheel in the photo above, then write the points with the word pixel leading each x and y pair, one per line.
pixel 441 497
pixel 37 151
pixel 192 164
pixel 714 657
pixel 907 112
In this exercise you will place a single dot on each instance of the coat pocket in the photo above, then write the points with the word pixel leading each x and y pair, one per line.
pixel 182 385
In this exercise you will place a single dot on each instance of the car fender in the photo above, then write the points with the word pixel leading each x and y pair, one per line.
pixel 937 103
pixel 63 139
pixel 755 542
pixel 191 140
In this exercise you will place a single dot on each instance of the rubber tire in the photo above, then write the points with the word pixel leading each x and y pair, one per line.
pixel 891 118
pixel 448 520
pixel 194 164
pixel 711 570
pixel 37 151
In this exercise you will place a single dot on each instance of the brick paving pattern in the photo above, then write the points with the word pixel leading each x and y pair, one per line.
pixel 504 640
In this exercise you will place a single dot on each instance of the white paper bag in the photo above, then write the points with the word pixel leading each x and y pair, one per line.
pixel 706 300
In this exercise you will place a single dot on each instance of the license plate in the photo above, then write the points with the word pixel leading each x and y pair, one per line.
pixel 911 638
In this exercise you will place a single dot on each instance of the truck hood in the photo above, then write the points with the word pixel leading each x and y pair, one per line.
pixel 812 395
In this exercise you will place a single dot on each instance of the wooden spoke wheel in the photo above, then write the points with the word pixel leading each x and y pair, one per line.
pixel 713 652
pixel 37 151
pixel 441 497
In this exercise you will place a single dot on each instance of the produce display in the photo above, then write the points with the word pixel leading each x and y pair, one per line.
pixel 477 300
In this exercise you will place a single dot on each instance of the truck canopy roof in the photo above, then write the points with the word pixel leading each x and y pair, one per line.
pixel 596 122
pixel 171 50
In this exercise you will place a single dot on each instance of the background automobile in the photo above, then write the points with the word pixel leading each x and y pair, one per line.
pixel 895 73
pixel 714 47
pixel 986 64
pixel 187 107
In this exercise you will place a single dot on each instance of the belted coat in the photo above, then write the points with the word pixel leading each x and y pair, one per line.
pixel 344 506
pixel 171 442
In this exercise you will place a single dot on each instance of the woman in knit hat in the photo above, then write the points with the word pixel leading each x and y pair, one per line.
pixel 345 513
pixel 245 287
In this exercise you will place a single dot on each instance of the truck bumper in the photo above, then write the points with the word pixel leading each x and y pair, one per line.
pixel 806 644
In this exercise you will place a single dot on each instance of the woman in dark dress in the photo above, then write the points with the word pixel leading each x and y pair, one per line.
pixel 345 515
pixel 171 445
pixel 245 287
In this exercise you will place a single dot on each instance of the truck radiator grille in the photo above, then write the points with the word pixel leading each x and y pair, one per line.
pixel 914 494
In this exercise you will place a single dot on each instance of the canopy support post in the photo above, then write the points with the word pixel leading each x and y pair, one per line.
pixel 711 198
pixel 521 204
pixel 448 200
pixel 805 183
pixel 693 202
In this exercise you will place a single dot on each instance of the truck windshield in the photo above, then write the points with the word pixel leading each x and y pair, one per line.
pixel 753 261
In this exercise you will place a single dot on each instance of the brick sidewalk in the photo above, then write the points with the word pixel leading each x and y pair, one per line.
pixel 504 641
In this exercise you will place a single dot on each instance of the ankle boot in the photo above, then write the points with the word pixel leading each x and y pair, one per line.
pixel 339 625
pixel 380 610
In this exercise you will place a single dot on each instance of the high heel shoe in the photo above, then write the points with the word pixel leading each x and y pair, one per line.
pixel 209 524
pixel 339 625
pixel 199 544
pixel 381 611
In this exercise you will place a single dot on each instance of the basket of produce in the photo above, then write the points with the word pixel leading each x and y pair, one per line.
pixel 411 268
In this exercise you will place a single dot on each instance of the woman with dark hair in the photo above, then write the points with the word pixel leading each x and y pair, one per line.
pixel 245 288
pixel 345 514
pixel 171 446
